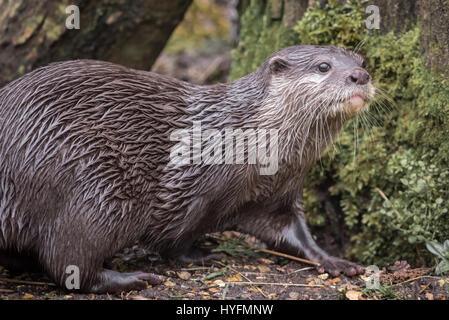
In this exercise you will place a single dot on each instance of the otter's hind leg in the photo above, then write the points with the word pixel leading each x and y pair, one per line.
pixel 112 281
pixel 85 268
pixel 16 262
pixel 74 255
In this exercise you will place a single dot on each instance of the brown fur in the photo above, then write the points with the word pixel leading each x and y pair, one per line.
pixel 85 171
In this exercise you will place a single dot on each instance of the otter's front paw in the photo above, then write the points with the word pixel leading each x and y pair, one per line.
pixel 336 266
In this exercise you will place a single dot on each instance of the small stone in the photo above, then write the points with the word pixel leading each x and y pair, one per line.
pixel 323 276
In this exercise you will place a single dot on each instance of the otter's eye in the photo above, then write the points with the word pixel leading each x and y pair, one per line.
pixel 324 67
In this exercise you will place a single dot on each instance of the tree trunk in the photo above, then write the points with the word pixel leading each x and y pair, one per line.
pixel 434 15
pixel 133 33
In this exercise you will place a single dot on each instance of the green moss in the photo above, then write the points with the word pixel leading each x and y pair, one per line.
pixel 392 184
pixel 260 36
pixel 333 24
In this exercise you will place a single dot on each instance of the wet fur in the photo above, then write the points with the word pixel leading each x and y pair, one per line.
pixel 85 170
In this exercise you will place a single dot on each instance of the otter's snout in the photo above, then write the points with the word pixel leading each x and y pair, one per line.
pixel 360 77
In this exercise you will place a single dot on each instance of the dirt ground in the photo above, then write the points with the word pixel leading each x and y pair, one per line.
pixel 244 273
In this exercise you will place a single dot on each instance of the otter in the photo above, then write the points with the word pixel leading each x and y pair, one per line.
pixel 86 167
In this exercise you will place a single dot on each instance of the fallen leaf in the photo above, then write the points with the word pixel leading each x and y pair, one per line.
pixel 214 290
pixel 353 295
pixel 169 283
pixel 28 296
pixel 429 296
pixel 220 283
pixel 184 275
pixel 333 281
pixel 263 268
pixel 237 277
pixel 267 261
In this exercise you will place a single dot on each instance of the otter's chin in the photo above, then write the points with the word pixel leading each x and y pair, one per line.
pixel 355 104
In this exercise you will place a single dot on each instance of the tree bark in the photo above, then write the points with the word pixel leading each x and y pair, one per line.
pixel 434 16
pixel 133 33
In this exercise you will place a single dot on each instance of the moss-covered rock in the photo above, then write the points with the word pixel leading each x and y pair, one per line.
pixel 391 170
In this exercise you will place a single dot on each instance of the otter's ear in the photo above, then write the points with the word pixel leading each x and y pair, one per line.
pixel 277 65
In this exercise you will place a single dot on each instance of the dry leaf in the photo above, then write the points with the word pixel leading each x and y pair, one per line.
pixel 220 283
pixel 353 295
pixel 237 277
pixel 429 296
pixel 184 275
pixel 333 281
pixel 267 261
pixel 28 296
pixel 169 283
pixel 263 268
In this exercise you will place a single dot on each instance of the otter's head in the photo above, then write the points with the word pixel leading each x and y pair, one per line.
pixel 323 80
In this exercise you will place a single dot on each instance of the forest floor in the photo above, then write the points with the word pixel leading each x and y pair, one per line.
pixel 244 273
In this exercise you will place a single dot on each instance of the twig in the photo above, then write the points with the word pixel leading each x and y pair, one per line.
pixel 285 256
pixel 225 292
pixel 271 252
pixel 299 270
pixel 411 280
pixel 276 284
pixel 388 200
pixel 243 276
pixel 28 282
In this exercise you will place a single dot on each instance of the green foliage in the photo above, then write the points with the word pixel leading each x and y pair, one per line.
pixel 384 293
pixel 391 168
pixel 335 24
pixel 259 37
pixel 236 248
pixel 442 253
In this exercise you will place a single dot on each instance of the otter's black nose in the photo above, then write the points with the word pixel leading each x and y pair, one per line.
pixel 359 77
